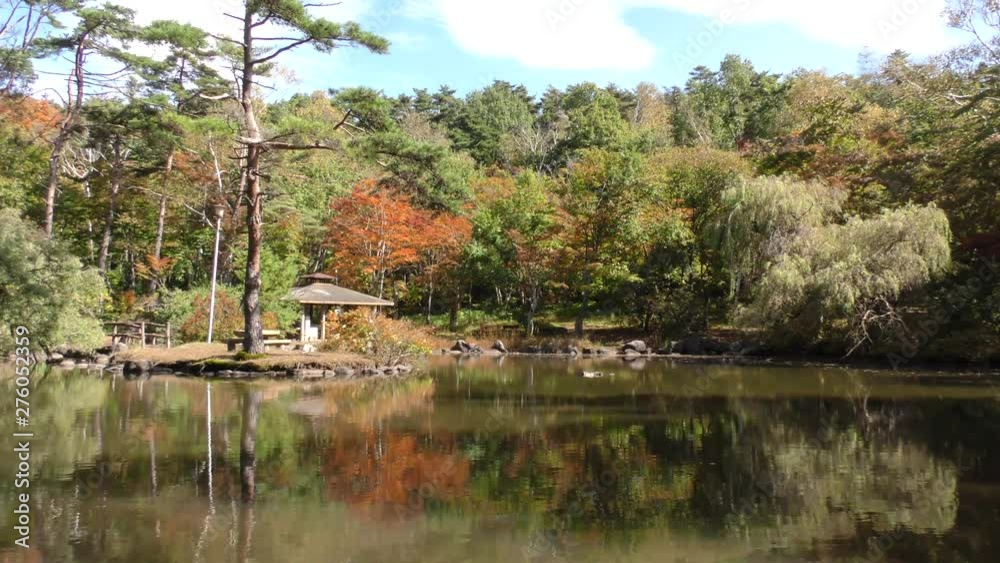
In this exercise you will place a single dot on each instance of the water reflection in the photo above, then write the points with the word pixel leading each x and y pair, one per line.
pixel 485 460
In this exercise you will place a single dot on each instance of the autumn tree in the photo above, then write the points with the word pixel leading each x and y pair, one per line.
pixel 440 239
pixel 373 233
pixel 518 240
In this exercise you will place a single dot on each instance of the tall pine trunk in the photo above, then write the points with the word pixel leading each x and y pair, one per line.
pixel 66 127
pixel 253 337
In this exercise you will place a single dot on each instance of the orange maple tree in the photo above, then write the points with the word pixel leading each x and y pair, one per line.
pixel 377 233
pixel 37 118
pixel 442 237
pixel 373 234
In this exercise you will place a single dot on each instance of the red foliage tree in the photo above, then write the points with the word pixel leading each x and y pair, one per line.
pixel 373 234
pixel 441 238
pixel 376 234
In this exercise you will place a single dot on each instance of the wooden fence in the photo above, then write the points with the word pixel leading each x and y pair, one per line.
pixel 143 333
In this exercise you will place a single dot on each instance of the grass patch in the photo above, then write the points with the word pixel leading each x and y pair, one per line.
pixel 469 320
pixel 216 356
pixel 243 356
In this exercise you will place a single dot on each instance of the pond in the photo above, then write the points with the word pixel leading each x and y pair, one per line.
pixel 510 459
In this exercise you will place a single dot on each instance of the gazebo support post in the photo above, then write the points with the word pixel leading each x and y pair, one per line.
pixel 302 324
pixel 322 322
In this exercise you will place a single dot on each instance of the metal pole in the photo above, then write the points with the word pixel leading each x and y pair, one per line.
pixel 215 269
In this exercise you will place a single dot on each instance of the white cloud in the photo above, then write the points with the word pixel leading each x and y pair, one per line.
pixel 582 35
pixel 593 34
pixel 917 26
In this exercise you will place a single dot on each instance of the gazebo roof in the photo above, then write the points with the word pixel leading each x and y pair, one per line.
pixel 329 294
pixel 318 276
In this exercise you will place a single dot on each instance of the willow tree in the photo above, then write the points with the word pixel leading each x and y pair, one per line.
pixel 271 28
pixel 757 219
pixel 852 276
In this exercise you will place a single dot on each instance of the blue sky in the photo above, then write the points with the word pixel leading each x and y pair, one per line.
pixel 424 55
pixel 466 44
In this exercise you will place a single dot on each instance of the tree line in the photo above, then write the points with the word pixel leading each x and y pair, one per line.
pixel 837 213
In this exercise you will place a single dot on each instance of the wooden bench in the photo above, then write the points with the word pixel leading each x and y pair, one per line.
pixel 269 339
pixel 232 343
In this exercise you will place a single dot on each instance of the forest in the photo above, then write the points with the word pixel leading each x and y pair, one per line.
pixel 842 215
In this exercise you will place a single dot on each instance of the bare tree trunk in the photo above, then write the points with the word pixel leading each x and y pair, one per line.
pixel 453 315
pixel 90 222
pixel 161 219
pixel 581 316
pixel 102 252
pixel 53 185
pixel 430 297
pixel 533 302
pixel 117 171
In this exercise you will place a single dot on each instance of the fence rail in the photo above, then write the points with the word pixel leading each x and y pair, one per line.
pixel 145 333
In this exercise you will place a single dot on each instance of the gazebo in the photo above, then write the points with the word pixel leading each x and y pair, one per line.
pixel 317 296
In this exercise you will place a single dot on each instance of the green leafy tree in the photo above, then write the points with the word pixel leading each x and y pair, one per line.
pixel 23 24
pixel 432 173
pixel 602 194
pixel 729 107
pixel 101 33
pixel 593 116
pixel 44 288
pixel 255 53
pixel 499 122
pixel 517 240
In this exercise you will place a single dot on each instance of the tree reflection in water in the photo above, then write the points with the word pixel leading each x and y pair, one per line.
pixel 485 461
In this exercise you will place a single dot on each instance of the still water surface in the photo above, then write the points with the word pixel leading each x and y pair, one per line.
pixel 511 460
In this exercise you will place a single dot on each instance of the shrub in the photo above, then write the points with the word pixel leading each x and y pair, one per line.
pixel 188 310
pixel 389 341
pixel 45 289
